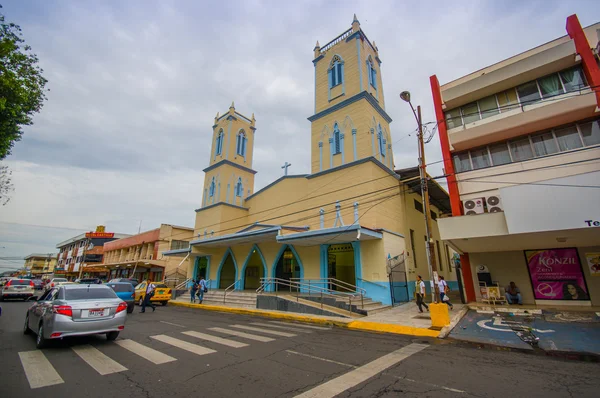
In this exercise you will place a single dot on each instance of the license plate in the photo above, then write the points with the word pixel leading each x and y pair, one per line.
pixel 96 312
pixel 161 291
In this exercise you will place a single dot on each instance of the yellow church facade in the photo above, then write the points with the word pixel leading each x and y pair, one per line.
pixel 341 222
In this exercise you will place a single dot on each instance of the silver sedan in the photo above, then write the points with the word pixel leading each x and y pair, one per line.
pixel 76 310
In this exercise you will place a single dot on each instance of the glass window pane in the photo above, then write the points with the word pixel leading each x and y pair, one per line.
pixel 500 154
pixel 521 150
pixel 508 100
pixel 462 162
pixel 550 86
pixel 573 79
pixel 528 93
pixel 544 144
pixel 488 106
pixel 591 132
pixel 453 118
pixel 480 158
pixel 470 113
pixel 568 138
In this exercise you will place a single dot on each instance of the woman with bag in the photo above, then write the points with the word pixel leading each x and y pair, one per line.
pixel 193 290
pixel 201 289
pixel 444 289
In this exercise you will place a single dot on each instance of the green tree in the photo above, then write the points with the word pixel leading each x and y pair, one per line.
pixel 22 86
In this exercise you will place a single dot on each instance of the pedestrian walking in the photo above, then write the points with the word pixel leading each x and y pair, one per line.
pixel 193 290
pixel 148 296
pixel 202 288
pixel 444 289
pixel 420 293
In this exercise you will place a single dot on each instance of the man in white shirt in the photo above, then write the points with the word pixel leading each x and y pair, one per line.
pixel 443 286
pixel 420 293
pixel 149 293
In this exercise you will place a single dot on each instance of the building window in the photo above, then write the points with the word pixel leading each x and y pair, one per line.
pixel 462 162
pixel 372 73
pixel 480 158
pixel 528 92
pixel 219 143
pixel 568 138
pixel 544 144
pixel 521 149
pixel 211 189
pixel 239 188
pixel 241 143
pixel 418 206
pixel 412 246
pixel 590 132
pixel 337 140
pixel 336 71
pixel 573 79
pixel 381 140
pixel 179 244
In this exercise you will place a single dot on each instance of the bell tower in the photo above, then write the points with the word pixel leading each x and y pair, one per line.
pixel 350 122
pixel 229 178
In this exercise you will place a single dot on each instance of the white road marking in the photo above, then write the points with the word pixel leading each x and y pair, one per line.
pixel 321 359
pixel 173 324
pixel 39 371
pixel 300 325
pixel 215 339
pixel 242 334
pixel 184 345
pixel 363 373
pixel 429 384
pixel 97 360
pixel 156 357
pixel 262 330
pixel 292 328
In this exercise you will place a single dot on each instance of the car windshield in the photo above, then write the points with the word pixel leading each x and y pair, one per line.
pixel 121 287
pixel 89 294
pixel 15 282
pixel 59 280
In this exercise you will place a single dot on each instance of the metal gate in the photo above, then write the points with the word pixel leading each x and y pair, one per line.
pixel 396 269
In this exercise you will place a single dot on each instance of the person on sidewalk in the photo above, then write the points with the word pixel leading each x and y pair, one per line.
pixel 149 293
pixel 420 294
pixel 193 290
pixel 513 294
pixel 444 289
pixel 201 289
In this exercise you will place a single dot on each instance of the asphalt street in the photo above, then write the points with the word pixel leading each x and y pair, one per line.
pixel 185 352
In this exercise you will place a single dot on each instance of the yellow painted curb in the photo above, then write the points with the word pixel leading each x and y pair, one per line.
pixel 353 325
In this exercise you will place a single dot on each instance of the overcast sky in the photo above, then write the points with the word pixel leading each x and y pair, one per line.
pixel 135 86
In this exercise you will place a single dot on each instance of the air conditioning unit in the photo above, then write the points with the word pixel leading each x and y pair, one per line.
pixel 494 204
pixel 473 206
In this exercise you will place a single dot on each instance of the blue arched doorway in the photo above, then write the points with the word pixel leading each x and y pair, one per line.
pixel 287 265
pixel 253 270
pixel 227 273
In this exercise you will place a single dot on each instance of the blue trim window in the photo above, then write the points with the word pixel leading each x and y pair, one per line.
pixel 219 143
pixel 372 73
pixel 211 190
pixel 241 143
pixel 336 147
pixel 239 188
pixel 381 140
pixel 336 71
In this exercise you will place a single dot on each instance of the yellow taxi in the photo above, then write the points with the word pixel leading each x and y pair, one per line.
pixel 162 293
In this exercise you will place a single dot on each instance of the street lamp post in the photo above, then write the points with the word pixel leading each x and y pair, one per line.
pixel 405 96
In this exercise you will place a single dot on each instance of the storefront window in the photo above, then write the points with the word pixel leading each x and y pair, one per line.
pixel 568 138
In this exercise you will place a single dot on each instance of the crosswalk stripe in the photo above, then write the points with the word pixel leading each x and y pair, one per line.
pixel 301 325
pixel 38 370
pixel 156 357
pixel 292 328
pixel 184 345
pixel 242 334
pixel 215 339
pixel 263 330
pixel 97 360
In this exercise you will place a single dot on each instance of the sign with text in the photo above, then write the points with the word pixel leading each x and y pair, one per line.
pixel 556 274
pixel 99 234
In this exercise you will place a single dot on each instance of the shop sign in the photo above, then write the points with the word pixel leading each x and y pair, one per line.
pixel 593 261
pixel 556 274
pixel 99 234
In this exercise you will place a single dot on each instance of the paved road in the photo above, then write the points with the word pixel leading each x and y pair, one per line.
pixel 256 357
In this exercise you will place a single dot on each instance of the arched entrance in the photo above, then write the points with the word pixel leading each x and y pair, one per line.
pixel 287 265
pixel 341 265
pixel 254 269
pixel 201 268
pixel 227 270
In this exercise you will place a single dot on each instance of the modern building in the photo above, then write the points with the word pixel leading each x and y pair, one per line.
pixel 40 264
pixel 345 220
pixel 140 256
pixel 521 149
pixel 84 249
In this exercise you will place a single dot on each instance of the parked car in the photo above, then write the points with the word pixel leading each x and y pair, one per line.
pixel 134 282
pixel 76 310
pixel 95 281
pixel 17 288
pixel 55 282
pixel 162 293
pixel 125 292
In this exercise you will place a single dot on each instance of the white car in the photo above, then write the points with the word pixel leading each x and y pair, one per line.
pixel 56 282
pixel 17 288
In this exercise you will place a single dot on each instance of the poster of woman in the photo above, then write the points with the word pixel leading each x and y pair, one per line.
pixel 556 274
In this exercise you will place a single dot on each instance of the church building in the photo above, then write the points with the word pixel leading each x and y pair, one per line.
pixel 345 220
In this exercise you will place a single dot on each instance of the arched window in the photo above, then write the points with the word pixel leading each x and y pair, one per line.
pixel 336 147
pixel 219 143
pixel 336 71
pixel 239 188
pixel 381 140
pixel 372 73
pixel 241 143
pixel 211 189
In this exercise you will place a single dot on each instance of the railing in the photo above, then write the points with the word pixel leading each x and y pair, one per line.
pixel 336 40
pixel 348 287
pixel 182 284
pixel 372 283
pixel 304 286
pixel 227 290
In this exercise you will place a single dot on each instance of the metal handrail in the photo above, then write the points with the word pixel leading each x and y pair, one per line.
pixel 335 282
pixel 372 283
pixel 229 287
pixel 182 284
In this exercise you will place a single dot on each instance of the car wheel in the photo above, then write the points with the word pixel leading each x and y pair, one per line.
pixel 112 336
pixel 130 308
pixel 26 329
pixel 164 303
pixel 141 301
pixel 40 341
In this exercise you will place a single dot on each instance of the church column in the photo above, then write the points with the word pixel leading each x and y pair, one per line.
pixel 354 142
pixel 359 67
pixel 320 155
pixel 228 140
pixel 342 145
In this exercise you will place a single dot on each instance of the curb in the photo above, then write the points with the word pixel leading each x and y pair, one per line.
pixel 352 325
pixel 447 329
